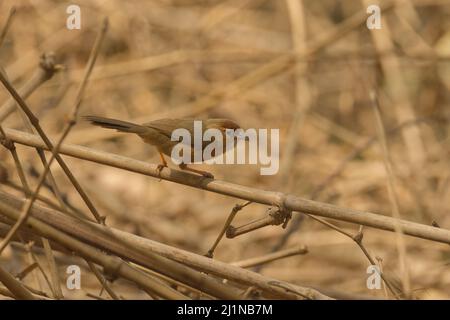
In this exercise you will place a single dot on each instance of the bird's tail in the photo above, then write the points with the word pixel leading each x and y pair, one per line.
pixel 119 125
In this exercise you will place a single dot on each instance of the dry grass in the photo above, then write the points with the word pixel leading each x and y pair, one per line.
pixel 305 67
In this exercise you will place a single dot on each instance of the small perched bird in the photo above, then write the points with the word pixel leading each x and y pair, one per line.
pixel 158 133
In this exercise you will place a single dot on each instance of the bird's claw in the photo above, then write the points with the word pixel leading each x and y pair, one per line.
pixel 207 175
pixel 159 169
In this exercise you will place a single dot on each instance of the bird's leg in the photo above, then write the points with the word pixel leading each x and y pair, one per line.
pixel 206 174
pixel 163 164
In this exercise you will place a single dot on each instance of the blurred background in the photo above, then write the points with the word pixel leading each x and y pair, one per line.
pixel 295 65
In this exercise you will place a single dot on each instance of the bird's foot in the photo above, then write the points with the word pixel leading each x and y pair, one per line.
pixel 159 169
pixel 207 174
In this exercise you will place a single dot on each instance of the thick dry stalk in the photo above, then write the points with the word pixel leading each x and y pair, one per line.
pixel 113 264
pixel 159 264
pixel 4 291
pixel 15 286
pixel 143 251
pixel 271 198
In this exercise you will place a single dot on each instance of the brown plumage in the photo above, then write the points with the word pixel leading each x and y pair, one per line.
pixel 158 133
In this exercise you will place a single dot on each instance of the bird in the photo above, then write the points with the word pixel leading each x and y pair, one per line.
pixel 158 134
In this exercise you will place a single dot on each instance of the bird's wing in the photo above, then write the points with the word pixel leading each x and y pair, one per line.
pixel 166 126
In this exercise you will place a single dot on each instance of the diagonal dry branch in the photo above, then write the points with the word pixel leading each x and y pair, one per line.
pixel 295 224
pixel 290 202
pixel 7 25
pixel 45 71
pixel 55 285
pixel 155 255
pixel 251 262
pixel 15 286
pixel 113 264
pixel 43 176
pixel 35 122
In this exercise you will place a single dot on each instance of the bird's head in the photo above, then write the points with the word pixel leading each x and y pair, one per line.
pixel 222 124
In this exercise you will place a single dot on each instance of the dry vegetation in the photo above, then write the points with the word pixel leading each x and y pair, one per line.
pixel 364 124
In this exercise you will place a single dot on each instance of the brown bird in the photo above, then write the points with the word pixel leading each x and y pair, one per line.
pixel 158 133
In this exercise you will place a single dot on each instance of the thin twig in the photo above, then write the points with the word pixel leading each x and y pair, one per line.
pixel 7 24
pixel 45 71
pixel 102 280
pixel 47 68
pixel 55 285
pixel 55 280
pixel 49 145
pixel 12 148
pixel 42 271
pixel 400 241
pixel 22 274
pixel 26 209
pixel 358 238
pixel 302 93
pixel 75 212
pixel 271 257
pixel 230 218
pixel 296 222
pixel 397 88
